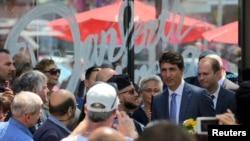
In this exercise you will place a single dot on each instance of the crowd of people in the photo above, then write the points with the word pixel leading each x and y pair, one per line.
pixel 114 107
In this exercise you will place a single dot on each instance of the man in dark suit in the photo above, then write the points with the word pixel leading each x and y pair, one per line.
pixel 62 106
pixel 223 80
pixel 189 101
pixel 208 72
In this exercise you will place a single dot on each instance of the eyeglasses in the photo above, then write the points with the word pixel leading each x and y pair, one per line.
pixel 54 71
pixel 132 91
pixel 151 90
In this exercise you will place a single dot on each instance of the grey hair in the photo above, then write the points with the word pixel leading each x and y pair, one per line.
pixel 29 80
pixel 25 102
pixel 145 79
pixel 99 116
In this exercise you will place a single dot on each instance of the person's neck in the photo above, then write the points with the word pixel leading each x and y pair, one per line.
pixel 122 108
pixel 92 126
pixel 213 89
pixel 147 107
pixel 50 87
pixel 64 120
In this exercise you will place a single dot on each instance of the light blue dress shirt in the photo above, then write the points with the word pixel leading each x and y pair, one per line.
pixel 13 130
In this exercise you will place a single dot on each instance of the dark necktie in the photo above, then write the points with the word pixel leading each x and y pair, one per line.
pixel 212 97
pixel 172 113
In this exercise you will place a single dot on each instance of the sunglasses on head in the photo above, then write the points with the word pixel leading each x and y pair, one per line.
pixel 54 71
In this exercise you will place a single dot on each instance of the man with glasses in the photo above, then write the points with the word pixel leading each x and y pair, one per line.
pixel 127 96
pixel 62 106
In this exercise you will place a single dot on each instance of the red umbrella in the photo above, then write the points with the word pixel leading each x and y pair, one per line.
pixel 225 34
pixel 94 21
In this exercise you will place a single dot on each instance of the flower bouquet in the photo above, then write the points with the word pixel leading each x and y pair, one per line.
pixel 190 125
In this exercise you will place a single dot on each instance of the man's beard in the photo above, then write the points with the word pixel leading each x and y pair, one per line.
pixel 130 105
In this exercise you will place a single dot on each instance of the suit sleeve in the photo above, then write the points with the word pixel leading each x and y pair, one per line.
pixel 206 105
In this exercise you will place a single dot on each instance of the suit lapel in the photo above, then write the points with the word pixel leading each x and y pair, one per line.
pixel 219 104
pixel 166 103
pixel 185 100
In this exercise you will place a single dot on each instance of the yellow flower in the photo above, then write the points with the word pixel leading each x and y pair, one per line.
pixel 190 125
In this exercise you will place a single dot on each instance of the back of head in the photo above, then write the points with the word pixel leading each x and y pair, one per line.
pixel 22 67
pixel 60 101
pixel 25 102
pixel 243 103
pixel 104 74
pixel 90 70
pixel 163 130
pixel 106 134
pixel 102 97
pixel 30 80
pixel 101 101
pixel 205 53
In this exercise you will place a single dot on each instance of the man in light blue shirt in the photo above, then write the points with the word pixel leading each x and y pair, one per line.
pixel 25 109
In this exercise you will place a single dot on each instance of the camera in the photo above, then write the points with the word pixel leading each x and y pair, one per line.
pixel 203 122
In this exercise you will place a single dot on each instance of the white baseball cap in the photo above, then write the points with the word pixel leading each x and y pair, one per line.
pixel 102 97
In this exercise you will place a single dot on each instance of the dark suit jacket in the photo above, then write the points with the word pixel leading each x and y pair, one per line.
pixel 140 116
pixel 226 100
pixel 227 84
pixel 50 131
pixel 195 102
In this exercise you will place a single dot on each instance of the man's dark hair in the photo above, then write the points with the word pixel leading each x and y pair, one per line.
pixel 62 108
pixel 172 57
pixel 2 50
pixel 90 70
pixel 163 130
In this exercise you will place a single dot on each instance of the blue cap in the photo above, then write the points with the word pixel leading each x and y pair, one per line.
pixel 205 53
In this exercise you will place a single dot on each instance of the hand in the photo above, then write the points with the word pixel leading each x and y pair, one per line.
pixel 8 93
pixel 227 118
pixel 125 125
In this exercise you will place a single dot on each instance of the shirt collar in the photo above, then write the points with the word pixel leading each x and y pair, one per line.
pixel 179 89
pixel 57 122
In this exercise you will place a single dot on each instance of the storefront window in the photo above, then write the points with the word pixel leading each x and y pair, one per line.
pixel 35 29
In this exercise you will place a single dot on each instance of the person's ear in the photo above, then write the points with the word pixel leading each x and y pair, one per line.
pixel 70 111
pixel 33 90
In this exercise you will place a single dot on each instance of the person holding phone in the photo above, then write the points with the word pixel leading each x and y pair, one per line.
pixel 7 71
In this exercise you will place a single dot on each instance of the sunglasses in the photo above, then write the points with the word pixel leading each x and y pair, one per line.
pixel 54 71
pixel 132 91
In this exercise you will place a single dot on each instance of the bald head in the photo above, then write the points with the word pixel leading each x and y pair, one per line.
pixel 106 134
pixel 104 74
pixel 60 101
